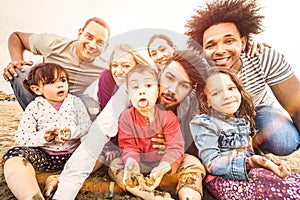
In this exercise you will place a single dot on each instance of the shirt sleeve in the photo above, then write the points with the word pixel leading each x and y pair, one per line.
pixel 42 44
pixel 229 166
pixel 27 133
pixel 126 138
pixel 275 67
pixel 174 142
pixel 83 119
pixel 106 87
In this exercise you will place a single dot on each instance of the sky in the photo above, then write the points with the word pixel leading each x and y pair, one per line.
pixel 65 17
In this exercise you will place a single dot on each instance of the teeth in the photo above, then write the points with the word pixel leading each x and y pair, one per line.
pixel 221 61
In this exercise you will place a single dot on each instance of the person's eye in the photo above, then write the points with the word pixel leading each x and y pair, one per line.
pixel 162 48
pixel 169 78
pixel 153 54
pixel 232 88
pixel 134 87
pixel 229 41
pixel 63 80
pixel 114 65
pixel 89 37
pixel 100 43
pixel 215 93
pixel 209 46
pixel 148 85
pixel 126 66
pixel 185 86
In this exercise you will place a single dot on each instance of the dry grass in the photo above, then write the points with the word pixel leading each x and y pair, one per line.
pixel 10 115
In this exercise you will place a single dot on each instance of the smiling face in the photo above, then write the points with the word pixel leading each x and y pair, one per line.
pixel 222 94
pixel 175 85
pixel 143 91
pixel 91 42
pixel 120 66
pixel 54 92
pixel 160 52
pixel 223 44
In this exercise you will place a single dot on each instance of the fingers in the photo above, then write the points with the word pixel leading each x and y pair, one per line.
pixel 159 147
pixel 9 72
pixel 160 139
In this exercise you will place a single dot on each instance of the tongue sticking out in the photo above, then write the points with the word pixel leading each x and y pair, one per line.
pixel 143 103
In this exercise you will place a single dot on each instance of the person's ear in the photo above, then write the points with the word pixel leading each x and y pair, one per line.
pixel 243 43
pixel 36 90
pixel 80 31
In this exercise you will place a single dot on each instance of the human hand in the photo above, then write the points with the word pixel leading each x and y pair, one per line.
pixel 10 72
pixel 253 46
pixel 50 134
pixel 110 155
pixel 131 169
pixel 157 174
pixel 159 143
pixel 278 167
pixel 63 135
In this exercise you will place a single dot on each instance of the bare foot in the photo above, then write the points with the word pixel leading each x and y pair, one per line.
pixel 149 195
pixel 50 186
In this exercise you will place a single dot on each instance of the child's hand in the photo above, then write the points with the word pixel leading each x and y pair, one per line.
pixel 278 167
pixel 157 174
pixel 63 135
pixel 50 134
pixel 131 167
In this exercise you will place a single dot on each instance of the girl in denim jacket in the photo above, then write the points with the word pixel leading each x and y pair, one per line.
pixel 222 134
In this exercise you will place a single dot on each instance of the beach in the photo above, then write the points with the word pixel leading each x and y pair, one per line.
pixel 96 187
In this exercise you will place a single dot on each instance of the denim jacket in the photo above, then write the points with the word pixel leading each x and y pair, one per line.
pixel 223 145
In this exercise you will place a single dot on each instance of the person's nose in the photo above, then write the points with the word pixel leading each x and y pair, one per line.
pixel 142 90
pixel 227 94
pixel 220 48
pixel 173 87
pixel 93 44
pixel 119 70
pixel 59 84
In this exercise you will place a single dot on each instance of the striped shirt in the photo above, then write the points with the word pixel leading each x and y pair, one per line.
pixel 261 71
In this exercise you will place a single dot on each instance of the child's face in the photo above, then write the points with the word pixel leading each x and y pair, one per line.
pixel 143 91
pixel 222 94
pixel 120 66
pixel 56 91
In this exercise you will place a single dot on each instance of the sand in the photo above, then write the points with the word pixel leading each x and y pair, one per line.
pixel 10 115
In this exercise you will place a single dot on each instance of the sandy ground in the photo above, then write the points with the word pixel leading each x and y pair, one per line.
pixel 10 115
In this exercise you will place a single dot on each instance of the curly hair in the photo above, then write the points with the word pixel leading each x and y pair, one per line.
pixel 246 109
pixel 243 13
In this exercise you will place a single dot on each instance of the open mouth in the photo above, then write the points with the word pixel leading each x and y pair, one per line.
pixel 221 62
pixel 168 98
pixel 142 103
pixel 60 93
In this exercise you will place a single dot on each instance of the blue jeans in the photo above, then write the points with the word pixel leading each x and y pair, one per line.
pixel 277 133
pixel 24 97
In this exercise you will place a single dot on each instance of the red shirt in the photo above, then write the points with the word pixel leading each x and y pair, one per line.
pixel 135 133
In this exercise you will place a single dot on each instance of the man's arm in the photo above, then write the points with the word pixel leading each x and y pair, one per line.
pixel 18 42
pixel 288 95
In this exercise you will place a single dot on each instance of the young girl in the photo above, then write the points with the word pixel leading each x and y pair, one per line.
pixel 137 126
pixel 222 134
pixel 50 130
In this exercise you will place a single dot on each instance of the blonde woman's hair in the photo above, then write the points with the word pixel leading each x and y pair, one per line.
pixel 126 48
